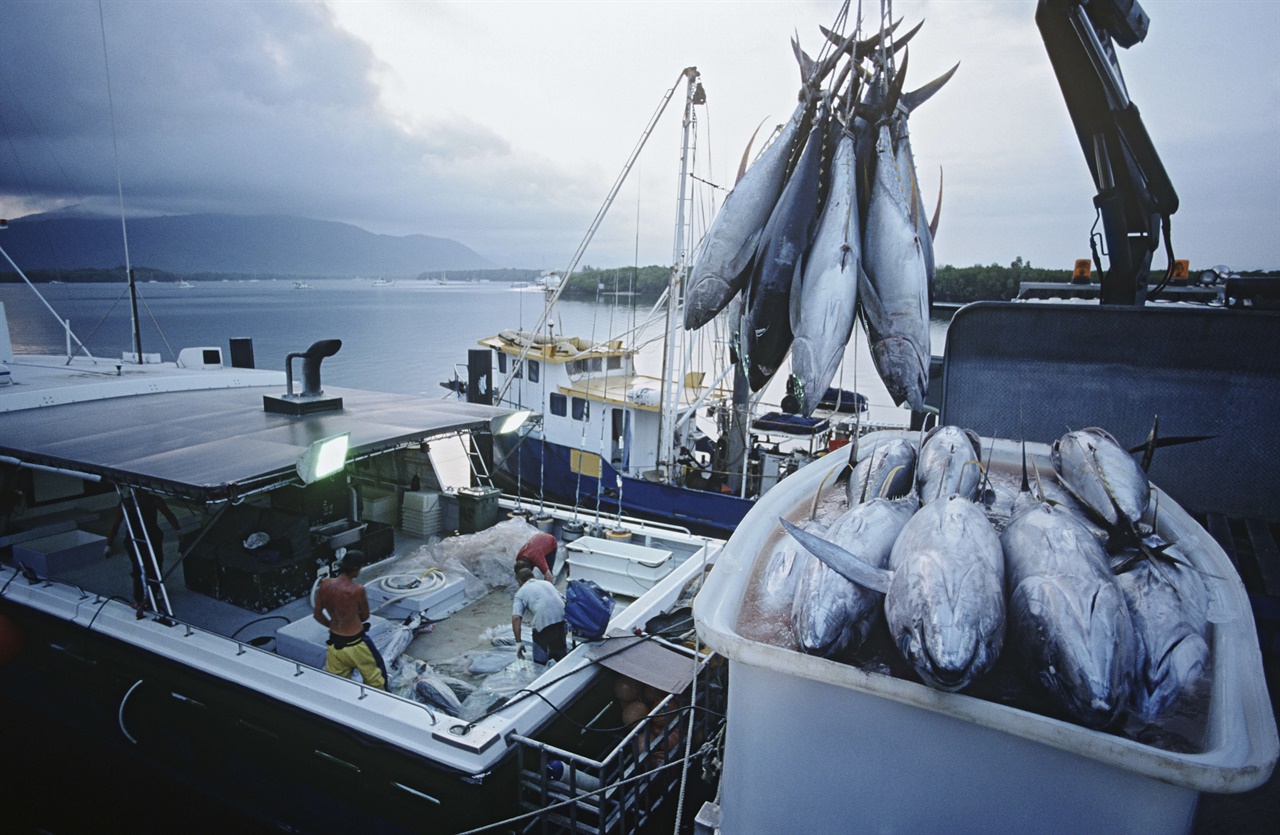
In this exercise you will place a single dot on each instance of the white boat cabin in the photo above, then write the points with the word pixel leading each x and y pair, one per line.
pixel 591 398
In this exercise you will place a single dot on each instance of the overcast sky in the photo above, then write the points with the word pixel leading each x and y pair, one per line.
pixel 502 125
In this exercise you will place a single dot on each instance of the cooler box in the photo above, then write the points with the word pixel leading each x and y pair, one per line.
pixel 50 555
pixel 617 567
pixel 813 745
pixel 434 600
pixel 379 507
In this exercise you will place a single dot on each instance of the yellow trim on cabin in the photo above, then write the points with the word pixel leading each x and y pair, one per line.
pixel 584 463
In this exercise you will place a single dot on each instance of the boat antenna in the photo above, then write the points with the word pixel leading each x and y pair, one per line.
pixel 672 385
pixel 124 230
pixel 604 209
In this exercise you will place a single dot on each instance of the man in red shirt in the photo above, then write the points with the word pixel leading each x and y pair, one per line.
pixel 540 552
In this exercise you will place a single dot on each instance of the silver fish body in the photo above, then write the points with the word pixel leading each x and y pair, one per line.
pixel 1170 608
pixel 946 604
pixel 766 334
pixel 782 572
pixel 1067 616
pixel 944 588
pixel 895 293
pixel 831 612
pixel 949 464
pixel 724 259
pixel 1103 476
pixel 825 300
pixel 887 472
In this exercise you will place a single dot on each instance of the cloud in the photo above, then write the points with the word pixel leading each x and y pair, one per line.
pixel 236 107
pixel 503 124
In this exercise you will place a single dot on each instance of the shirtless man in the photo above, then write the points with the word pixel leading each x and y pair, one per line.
pixel 342 606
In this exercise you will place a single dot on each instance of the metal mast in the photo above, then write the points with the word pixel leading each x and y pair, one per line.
pixel 671 384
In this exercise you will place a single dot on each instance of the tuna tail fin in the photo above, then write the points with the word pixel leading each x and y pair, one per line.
pixel 840 561
pixel 864 49
pixel 915 98
pixel 746 155
pixel 807 66
pixel 937 210
pixel 1154 441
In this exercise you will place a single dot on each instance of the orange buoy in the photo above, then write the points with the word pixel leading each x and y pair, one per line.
pixel 626 689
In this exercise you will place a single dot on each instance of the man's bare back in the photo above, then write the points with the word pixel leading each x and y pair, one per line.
pixel 345 603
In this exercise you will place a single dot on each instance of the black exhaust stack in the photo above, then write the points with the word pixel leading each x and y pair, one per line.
pixel 312 398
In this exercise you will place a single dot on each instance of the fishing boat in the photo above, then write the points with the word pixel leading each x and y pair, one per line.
pixel 383 282
pixel 684 443
pixel 301 285
pixel 217 679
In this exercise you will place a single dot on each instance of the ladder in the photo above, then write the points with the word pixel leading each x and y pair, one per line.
pixel 143 551
pixel 477 462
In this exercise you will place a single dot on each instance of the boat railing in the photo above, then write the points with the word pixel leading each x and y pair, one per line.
pixel 644 527
pixel 359 691
pixel 566 792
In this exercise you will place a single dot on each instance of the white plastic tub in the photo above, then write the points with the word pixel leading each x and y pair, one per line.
pixel 60 552
pixel 617 567
pixel 814 745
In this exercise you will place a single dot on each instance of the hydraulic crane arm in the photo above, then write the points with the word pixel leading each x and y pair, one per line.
pixel 1135 197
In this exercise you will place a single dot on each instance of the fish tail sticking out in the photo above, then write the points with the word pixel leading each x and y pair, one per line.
pixel 746 155
pixel 912 100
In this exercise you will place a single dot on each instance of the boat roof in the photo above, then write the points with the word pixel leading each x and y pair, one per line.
pixel 561 349
pixel 636 391
pixel 216 444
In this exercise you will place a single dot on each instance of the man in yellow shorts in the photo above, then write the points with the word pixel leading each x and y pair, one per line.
pixel 343 607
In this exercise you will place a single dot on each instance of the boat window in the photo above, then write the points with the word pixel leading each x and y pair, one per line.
pixel 502 363
pixel 595 364
pixel 614 363
pixel 559 404
pixel 533 371
pixel 575 367
pixel 579 409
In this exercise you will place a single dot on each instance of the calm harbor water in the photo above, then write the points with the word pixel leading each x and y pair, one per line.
pixel 406 337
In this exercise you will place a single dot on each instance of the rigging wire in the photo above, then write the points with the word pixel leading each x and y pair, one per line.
pixel 115 148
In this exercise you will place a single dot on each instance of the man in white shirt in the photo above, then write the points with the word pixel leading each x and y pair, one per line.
pixel 539 602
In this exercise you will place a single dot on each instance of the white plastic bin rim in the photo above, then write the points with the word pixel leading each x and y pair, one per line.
pixel 1240 747
pixel 643 554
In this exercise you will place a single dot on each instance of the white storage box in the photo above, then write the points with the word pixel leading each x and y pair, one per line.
pixel 379 507
pixel 304 640
pixel 617 567
pixel 50 555
pixel 814 745
pixel 420 514
pixel 433 599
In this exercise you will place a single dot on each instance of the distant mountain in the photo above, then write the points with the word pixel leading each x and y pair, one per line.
pixel 263 245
